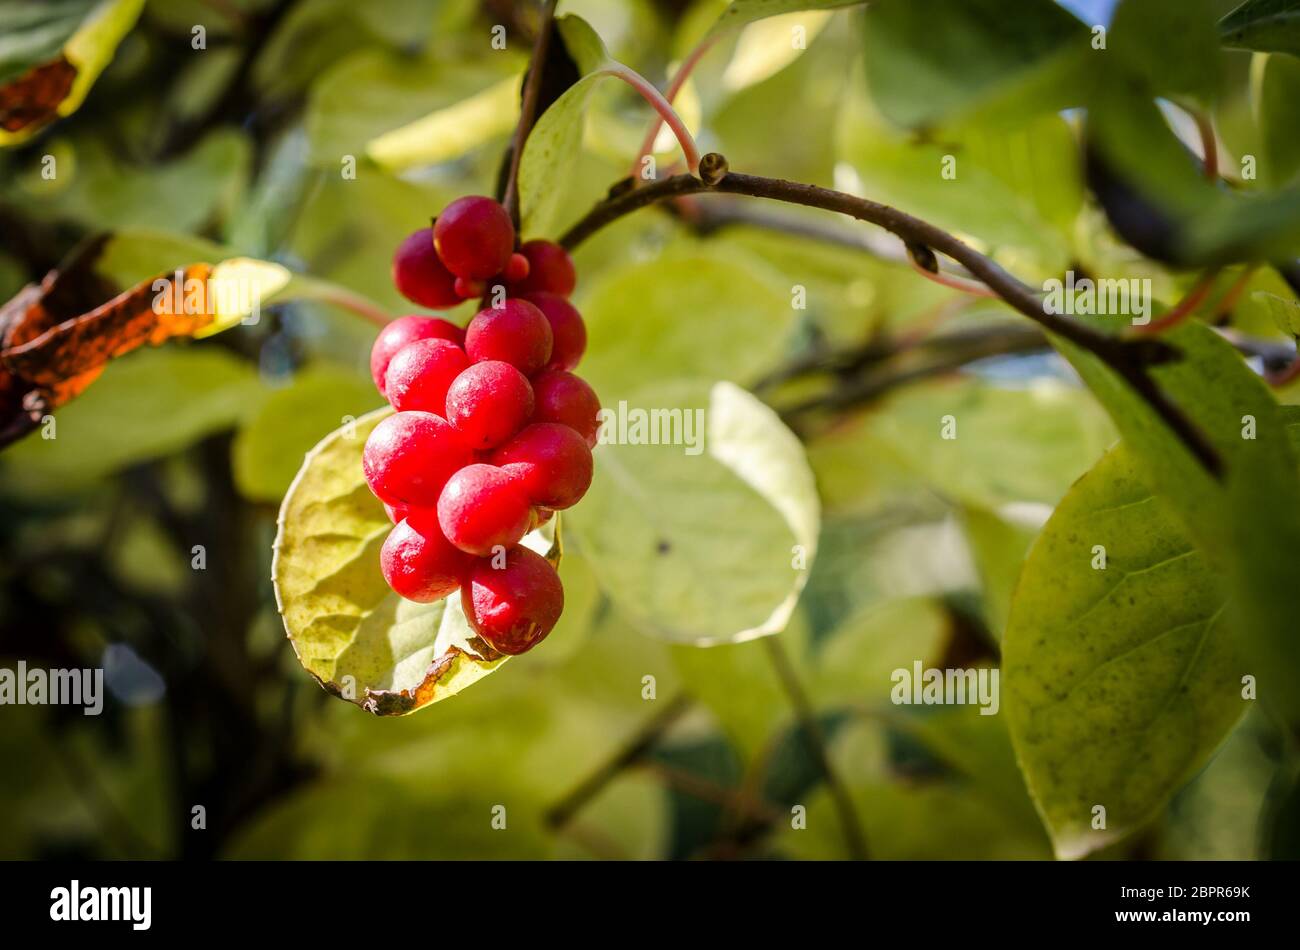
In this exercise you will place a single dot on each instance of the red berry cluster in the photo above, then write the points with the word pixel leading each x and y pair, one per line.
pixel 492 431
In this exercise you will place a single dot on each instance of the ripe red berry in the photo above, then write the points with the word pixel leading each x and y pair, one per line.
pixel 420 277
pixel 419 563
pixel 516 268
pixel 469 288
pixel 550 270
pixel 516 333
pixel 551 461
pixel 488 403
pixel 482 507
pixel 409 457
pixel 564 398
pixel 513 607
pixel 568 332
pixel 406 330
pixel 421 372
pixel 474 237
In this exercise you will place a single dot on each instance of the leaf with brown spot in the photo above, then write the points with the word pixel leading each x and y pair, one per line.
pixel 52 54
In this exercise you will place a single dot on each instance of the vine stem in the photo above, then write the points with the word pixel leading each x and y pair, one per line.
pixel 662 106
pixel 528 110
pixel 670 95
pixel 1181 310
pixel 1128 358
pixel 854 839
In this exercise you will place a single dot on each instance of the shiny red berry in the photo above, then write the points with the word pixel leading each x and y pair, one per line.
pixel 568 332
pixel 516 268
pixel 409 457
pixel 516 333
pixel 421 372
pixel 406 330
pixel 513 607
pixel 551 461
pixel 550 270
pixel 483 507
pixel 419 563
pixel 488 403
pixel 564 398
pixel 420 276
pixel 474 237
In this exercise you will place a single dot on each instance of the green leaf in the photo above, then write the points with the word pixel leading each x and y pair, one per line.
pixel 743 12
pixel 361 641
pixel 148 404
pixel 1266 25
pixel 1170 44
pixel 556 138
pixel 856 663
pixel 1240 522
pixel 1008 445
pixel 1285 312
pixel 375 95
pixel 270 446
pixel 451 131
pixel 703 548
pixel 1120 680
pixel 999 541
pixel 52 54
pixel 640 330
pixel 1277 102
pixel 930 61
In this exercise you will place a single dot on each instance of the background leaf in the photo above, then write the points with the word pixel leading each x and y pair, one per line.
pixel 1119 682
pixel 662 529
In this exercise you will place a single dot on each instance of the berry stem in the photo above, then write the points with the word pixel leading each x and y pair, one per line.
pixel 662 106
pixel 679 79
pixel 1183 309
pixel 1127 358
pixel 528 110
pixel 854 839
pixel 347 300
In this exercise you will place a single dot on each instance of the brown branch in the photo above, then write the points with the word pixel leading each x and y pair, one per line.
pixel 1130 359
pixel 528 109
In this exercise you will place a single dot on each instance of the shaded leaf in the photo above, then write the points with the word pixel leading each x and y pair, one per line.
pixel 1120 680
pixel 1265 25
pixel 707 547
pixel 52 54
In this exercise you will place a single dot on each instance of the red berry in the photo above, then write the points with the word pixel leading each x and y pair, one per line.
pixel 550 270
pixel 474 237
pixel 469 288
pixel 516 268
pixel 409 457
pixel 488 403
pixel 420 373
pixel 568 332
pixel 420 277
pixel 419 563
pixel 551 461
pixel 514 607
pixel 482 507
pixel 516 333
pixel 564 398
pixel 406 330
